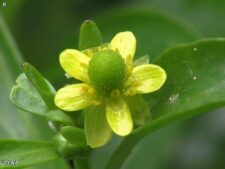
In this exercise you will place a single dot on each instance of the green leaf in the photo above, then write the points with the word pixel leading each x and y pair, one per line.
pixel 24 96
pixel 195 85
pixel 74 135
pixel 154 30
pixel 43 87
pixel 90 36
pixel 60 117
pixel 25 153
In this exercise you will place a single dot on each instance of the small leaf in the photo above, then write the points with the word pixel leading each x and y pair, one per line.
pixel 60 117
pixel 24 96
pixel 90 36
pixel 21 154
pixel 43 87
pixel 74 135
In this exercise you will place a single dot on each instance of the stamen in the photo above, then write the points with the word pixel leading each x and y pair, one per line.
pixel 117 50
pixel 91 91
pixel 90 53
pixel 130 92
pixel 67 76
pixel 84 65
pixel 97 102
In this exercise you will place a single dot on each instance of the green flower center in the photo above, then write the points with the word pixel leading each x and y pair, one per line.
pixel 107 72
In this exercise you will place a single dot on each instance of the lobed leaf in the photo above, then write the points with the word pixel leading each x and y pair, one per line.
pixel 24 96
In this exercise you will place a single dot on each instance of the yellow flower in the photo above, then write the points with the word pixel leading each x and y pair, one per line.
pixel 108 75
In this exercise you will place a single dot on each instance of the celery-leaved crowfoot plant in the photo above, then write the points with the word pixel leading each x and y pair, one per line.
pixel 108 97
pixel 108 76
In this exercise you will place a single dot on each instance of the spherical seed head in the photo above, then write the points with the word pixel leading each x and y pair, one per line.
pixel 107 72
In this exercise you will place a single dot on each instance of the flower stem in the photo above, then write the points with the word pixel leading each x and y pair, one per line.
pixel 82 163
pixel 71 164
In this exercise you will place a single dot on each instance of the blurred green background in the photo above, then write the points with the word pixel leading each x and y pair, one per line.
pixel 42 29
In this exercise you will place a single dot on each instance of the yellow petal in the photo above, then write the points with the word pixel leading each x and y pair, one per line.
pixel 75 63
pixel 125 43
pixel 119 117
pixel 146 79
pixel 96 128
pixel 74 97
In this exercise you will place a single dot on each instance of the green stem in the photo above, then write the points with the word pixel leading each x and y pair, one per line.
pixel 82 163
pixel 71 164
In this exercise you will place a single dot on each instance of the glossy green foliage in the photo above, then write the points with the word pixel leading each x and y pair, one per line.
pixel 21 154
pixel 189 90
pixel 195 79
